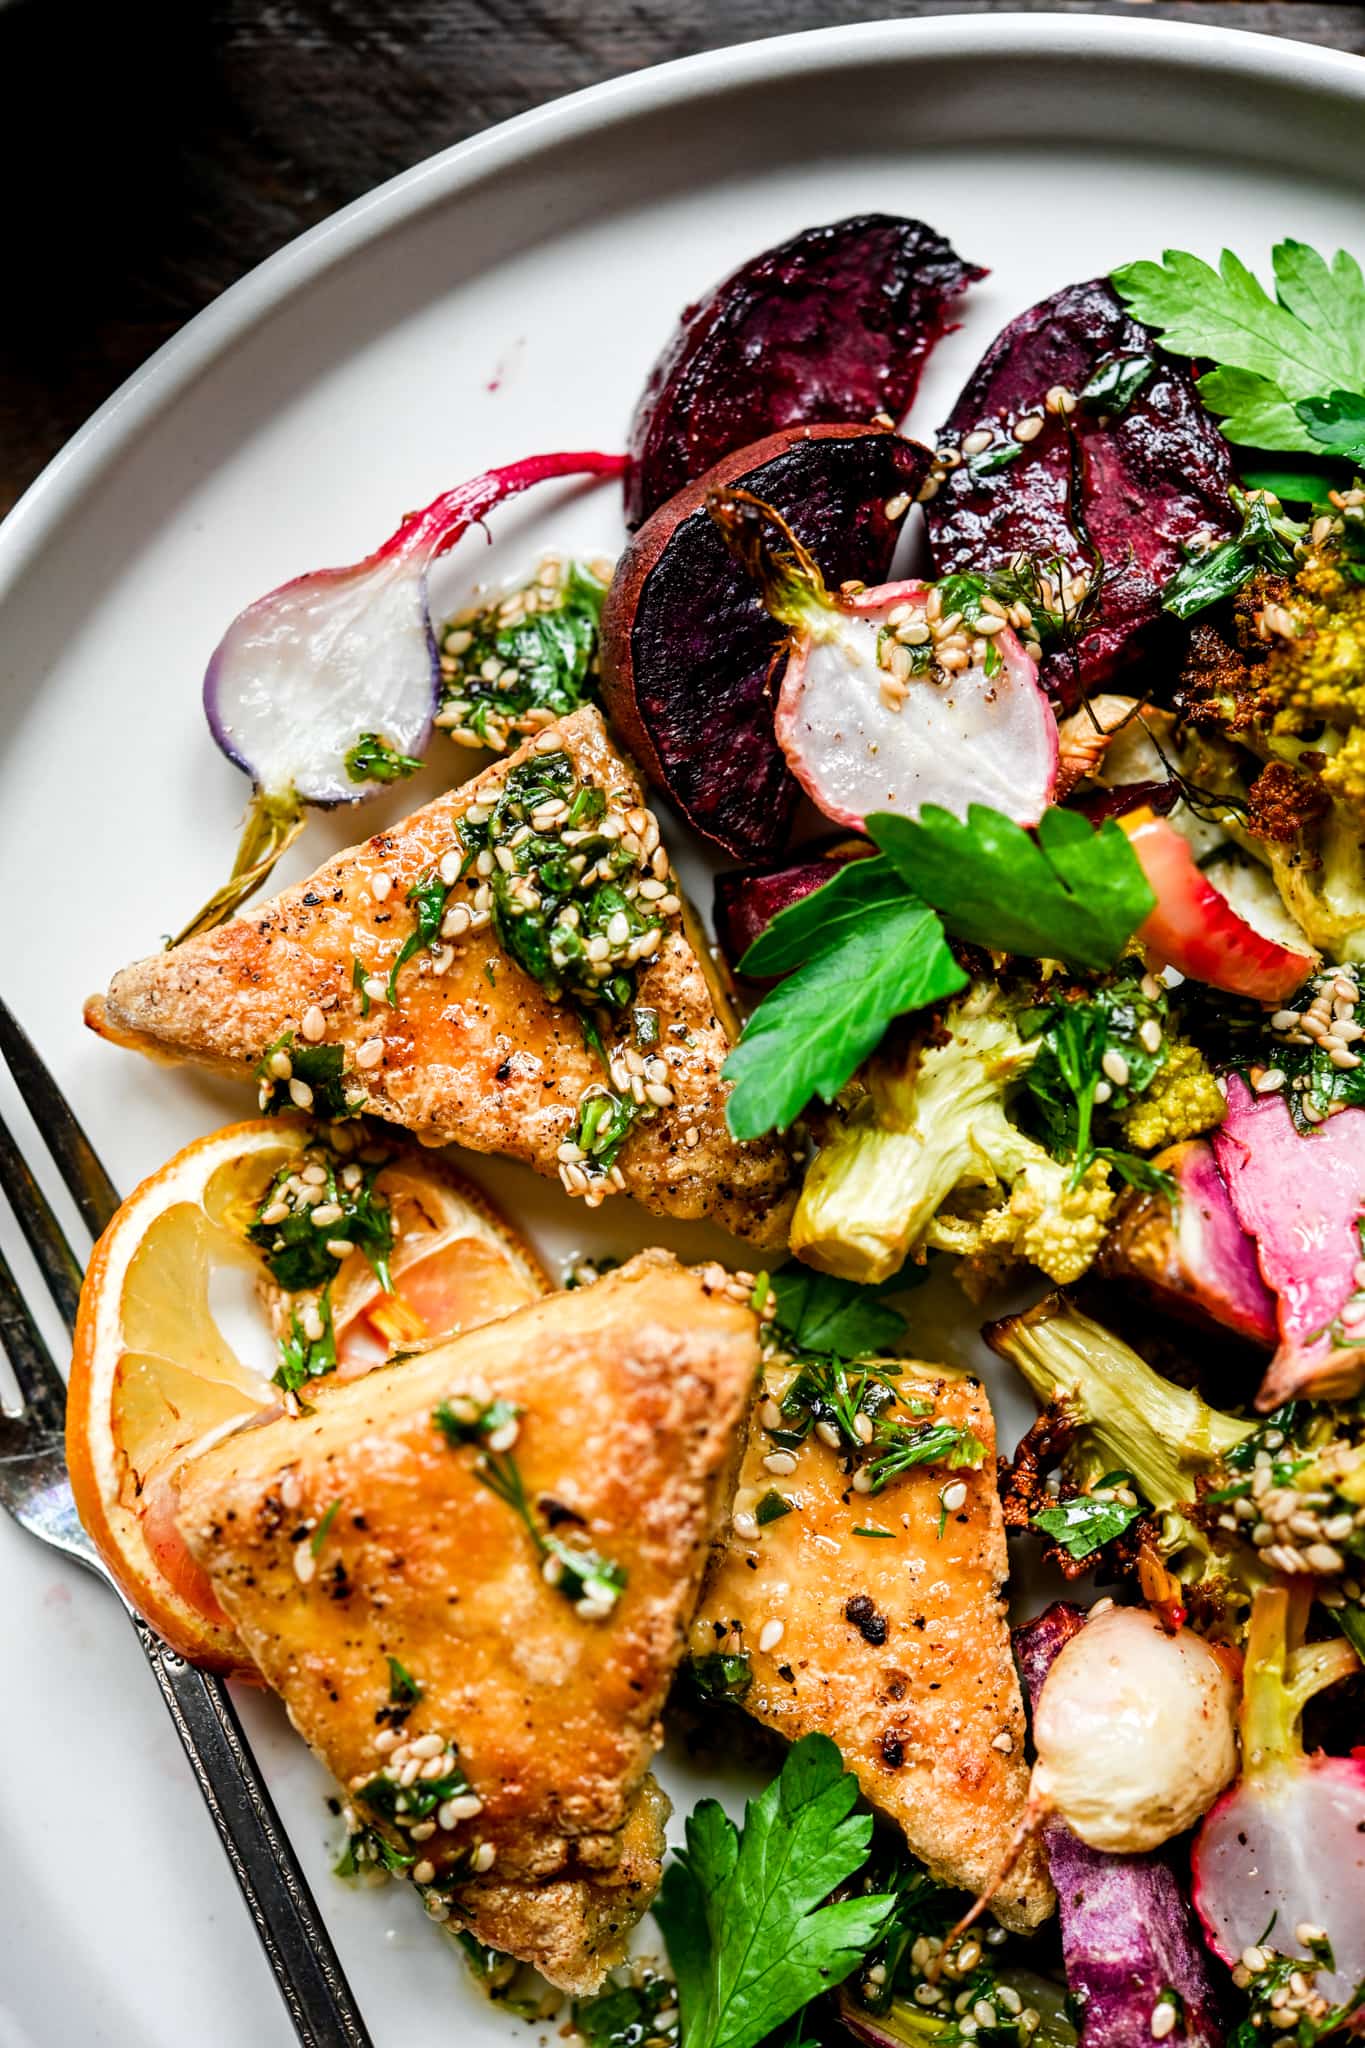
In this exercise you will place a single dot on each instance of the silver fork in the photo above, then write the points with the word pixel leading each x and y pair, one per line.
pixel 35 1490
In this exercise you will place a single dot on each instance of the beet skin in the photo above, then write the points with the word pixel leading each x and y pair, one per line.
pixel 748 899
pixel 1128 1932
pixel 1146 478
pixel 691 661
pixel 832 325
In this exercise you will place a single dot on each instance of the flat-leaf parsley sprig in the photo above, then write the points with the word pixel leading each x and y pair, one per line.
pixel 743 1910
pixel 871 945
pixel 1289 371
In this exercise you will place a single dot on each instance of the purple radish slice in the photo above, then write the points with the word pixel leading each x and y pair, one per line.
pixel 1285 1848
pixel 748 899
pixel 832 325
pixel 861 728
pixel 1134 471
pixel 691 661
pixel 1295 1195
pixel 305 673
pixel 1186 1251
pixel 1127 1930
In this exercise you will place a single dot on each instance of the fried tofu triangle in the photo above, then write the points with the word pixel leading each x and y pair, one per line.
pixel 363 1532
pixel 897 1645
pixel 473 1050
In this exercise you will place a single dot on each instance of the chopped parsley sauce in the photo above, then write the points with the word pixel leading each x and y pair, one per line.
pixel 518 664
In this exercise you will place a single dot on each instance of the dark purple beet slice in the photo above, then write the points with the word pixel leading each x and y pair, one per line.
pixel 832 325
pixel 1149 476
pixel 748 899
pixel 1128 1932
pixel 691 661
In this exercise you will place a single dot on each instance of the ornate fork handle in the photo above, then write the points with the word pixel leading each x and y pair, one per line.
pixel 282 1910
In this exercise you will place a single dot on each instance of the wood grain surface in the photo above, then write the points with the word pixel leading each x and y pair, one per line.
pixel 153 151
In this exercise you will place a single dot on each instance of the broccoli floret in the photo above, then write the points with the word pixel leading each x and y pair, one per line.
pixel 1128 1419
pixel 1182 1100
pixel 932 1124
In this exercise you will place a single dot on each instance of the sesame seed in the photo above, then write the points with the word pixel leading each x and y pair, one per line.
pixel 484 1857
pixel 780 1463
pixel 1028 428
pixel 1149 1035
pixel 325 1214
pixel 1115 1067
pixel 771 1634
pixel 1308 1933
pixel 1270 1081
pixel 1163 2020
pixel 370 1053
pixel 897 507
pixel 340 1247
pixel 305 1564
pixel 745 1525
pixel 423 1872
pixel 1004 1742
pixel 978 442
pixel 300 1094
pixel 954 1496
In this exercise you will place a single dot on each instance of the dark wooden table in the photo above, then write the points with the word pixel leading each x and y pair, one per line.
pixel 152 152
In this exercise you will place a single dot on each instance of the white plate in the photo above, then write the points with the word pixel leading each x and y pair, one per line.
pixel 505 297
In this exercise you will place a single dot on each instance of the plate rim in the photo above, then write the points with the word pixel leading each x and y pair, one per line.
pixel 191 351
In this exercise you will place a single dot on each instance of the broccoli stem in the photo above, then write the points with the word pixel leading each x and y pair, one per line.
pixel 1279 1680
pixel 1137 1421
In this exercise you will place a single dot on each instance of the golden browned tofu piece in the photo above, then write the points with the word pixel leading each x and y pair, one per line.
pixel 474 1052
pixel 359 1533
pixel 897 1646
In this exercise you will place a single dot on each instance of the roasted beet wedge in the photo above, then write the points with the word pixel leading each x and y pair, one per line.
pixel 748 899
pixel 833 325
pixel 691 661
pixel 1124 456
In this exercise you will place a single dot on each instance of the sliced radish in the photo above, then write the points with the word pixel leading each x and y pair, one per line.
pixel 868 717
pixel 303 672
pixel 1299 1196
pixel 340 655
pixel 858 740
pixel 1285 1848
pixel 1195 929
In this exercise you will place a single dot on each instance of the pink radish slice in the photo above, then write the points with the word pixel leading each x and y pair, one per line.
pixel 302 673
pixel 952 740
pixel 1290 1847
pixel 1299 1199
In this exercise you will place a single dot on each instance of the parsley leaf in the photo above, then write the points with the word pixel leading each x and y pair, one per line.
pixel 1069 893
pixel 897 1446
pixel 1083 1523
pixel 875 953
pixel 1115 383
pixel 428 898
pixel 372 759
pixel 835 1318
pixel 1336 423
pixel 1307 342
pixel 403 1687
pixel 749 1935
pixel 1220 572
pixel 867 947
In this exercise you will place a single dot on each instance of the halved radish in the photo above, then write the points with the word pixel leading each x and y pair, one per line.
pixel 1195 929
pixel 886 703
pixel 1285 1848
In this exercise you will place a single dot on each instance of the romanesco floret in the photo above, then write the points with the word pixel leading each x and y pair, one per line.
pixel 1285 682
pixel 1182 1100
pixel 936 1130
